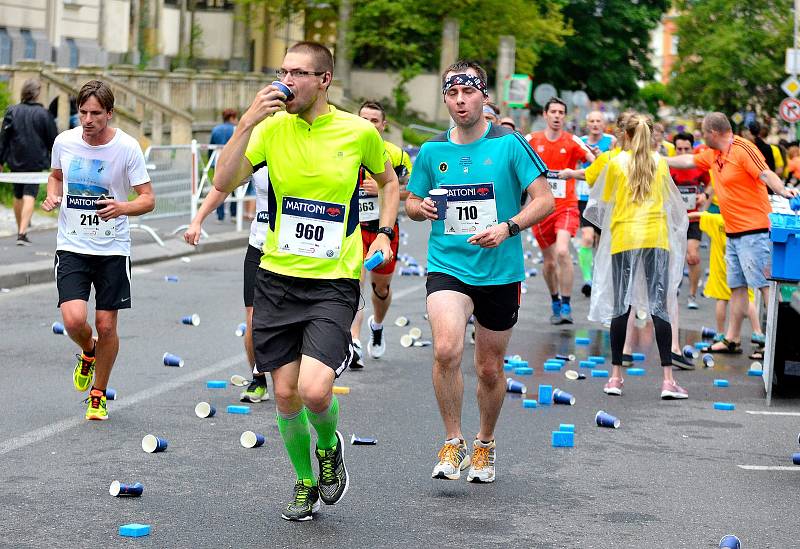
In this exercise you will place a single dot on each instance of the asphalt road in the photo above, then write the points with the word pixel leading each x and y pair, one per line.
pixel 668 477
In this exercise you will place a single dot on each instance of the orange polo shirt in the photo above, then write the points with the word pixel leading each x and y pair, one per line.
pixel 742 196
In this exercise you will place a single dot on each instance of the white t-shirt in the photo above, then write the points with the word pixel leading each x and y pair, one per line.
pixel 112 169
pixel 259 225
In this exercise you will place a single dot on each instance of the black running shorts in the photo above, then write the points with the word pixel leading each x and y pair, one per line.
pixel 303 316
pixel 252 259
pixel 495 307
pixel 110 274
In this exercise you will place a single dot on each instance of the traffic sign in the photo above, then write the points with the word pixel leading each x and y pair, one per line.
pixel 737 118
pixel 543 93
pixel 792 61
pixel 790 110
pixel 791 86
pixel 518 91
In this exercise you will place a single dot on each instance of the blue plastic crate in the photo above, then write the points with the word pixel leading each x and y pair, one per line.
pixel 785 236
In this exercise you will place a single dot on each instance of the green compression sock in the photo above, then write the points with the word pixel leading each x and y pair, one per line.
pixel 585 262
pixel 296 437
pixel 325 425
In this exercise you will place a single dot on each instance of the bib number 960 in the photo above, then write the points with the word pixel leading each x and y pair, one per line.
pixel 309 232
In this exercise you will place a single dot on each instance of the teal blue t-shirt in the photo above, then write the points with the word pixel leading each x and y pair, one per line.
pixel 485 180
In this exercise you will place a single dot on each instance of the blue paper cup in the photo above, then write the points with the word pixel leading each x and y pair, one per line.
pixel 796 458
pixel 241 329
pixel 529 403
pixel 514 386
pixel 119 489
pixel 439 197
pixel 523 371
pixel 720 383
pixel 172 360
pixel 284 89
pixel 233 409
pixel 567 427
pixel 604 419
pixel 363 441
pixel 563 397
pixel 374 260
pixel 599 373
pixel 552 366
pixel 635 371
pixel 563 439
pixel 702 345
pixel 545 395
pixel 204 410
pixel 191 320
pixel 690 352
pixel 249 439
pixel 530 273
pixel 565 358
pixel 708 333
pixel 111 394
pixel 725 406
pixel 638 357
pixel 152 444
pixel 58 328
pixel 216 384
pixel 171 278
pixel 586 364
pixel 582 341
pixel 730 542
pixel 598 359
pixel 708 360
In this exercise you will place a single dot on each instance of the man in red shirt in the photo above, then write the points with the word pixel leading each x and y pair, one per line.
pixel 692 184
pixel 560 150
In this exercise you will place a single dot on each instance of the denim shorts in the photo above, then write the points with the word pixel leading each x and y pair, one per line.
pixel 748 259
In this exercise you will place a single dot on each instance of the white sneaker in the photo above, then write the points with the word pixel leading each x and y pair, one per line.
pixel 482 468
pixel 357 362
pixel 377 345
pixel 453 458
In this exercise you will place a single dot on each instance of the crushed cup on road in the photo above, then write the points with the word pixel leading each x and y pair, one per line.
pixel 604 419
pixel 119 489
pixel 363 441
pixel 514 386
pixel 401 321
pixel 204 410
pixel 153 444
pixel 573 375
pixel 191 320
pixel 239 381
pixel 58 328
pixel 171 278
pixel 563 397
pixel 134 530
pixel 172 360
pixel 250 439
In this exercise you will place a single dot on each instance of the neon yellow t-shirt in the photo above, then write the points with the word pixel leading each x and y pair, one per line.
pixel 397 156
pixel 594 170
pixel 313 191
pixel 635 226
pixel 717 284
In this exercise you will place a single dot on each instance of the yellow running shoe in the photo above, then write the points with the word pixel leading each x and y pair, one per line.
pixel 83 373
pixel 97 405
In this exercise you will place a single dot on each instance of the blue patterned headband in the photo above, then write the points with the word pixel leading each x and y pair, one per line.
pixel 466 80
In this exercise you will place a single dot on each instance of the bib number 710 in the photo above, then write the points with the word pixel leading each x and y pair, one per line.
pixel 467 213
pixel 309 232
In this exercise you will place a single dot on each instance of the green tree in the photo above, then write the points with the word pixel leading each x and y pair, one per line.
pixel 731 53
pixel 609 50
pixel 654 93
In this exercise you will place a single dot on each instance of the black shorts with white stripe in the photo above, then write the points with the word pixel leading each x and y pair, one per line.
pixel 295 316
pixel 109 274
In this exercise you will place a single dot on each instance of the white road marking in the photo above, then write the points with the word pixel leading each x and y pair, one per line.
pixel 760 413
pixel 796 468
pixel 407 291
pixel 37 435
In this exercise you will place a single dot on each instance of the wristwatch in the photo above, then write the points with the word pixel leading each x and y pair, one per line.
pixel 513 228
pixel 388 231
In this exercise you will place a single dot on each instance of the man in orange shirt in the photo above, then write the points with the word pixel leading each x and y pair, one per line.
pixel 560 150
pixel 740 174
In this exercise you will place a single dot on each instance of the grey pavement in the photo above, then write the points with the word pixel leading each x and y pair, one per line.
pixel 668 477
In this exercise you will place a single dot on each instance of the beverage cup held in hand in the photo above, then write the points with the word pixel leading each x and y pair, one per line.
pixel 439 197
pixel 374 260
pixel 284 89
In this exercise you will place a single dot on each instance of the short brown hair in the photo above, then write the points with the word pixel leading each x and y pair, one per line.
pixel 30 90
pixel 374 105
pixel 461 66
pixel 323 58
pixel 100 91
pixel 229 114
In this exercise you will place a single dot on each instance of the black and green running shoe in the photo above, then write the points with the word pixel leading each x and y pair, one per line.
pixel 333 479
pixel 304 504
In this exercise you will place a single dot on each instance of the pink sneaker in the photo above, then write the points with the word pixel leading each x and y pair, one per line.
pixel 671 390
pixel 614 386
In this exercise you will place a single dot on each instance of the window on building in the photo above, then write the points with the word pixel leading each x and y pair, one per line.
pixel 674 49
pixel 5 47
pixel 226 5
pixel 73 53
pixel 30 43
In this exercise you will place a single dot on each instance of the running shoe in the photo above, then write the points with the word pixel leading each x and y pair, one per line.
pixel 614 386
pixel 680 361
pixel 453 458
pixel 357 361
pixel 566 313
pixel 83 373
pixel 256 391
pixel 96 408
pixel 333 479
pixel 691 303
pixel 586 289
pixel 672 391
pixel 304 504
pixel 376 346
pixel 555 318
pixel 22 240
pixel 482 468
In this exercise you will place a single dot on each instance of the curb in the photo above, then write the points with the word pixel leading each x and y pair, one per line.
pixel 38 272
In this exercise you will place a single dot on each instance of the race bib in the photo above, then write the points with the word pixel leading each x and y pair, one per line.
pixel 311 228
pixel 557 186
pixel 689 196
pixel 367 206
pixel 470 208
pixel 82 220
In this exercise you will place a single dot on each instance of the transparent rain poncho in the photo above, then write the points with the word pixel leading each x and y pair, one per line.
pixel 640 257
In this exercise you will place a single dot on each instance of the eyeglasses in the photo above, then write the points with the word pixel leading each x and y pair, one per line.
pixel 281 73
